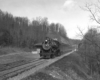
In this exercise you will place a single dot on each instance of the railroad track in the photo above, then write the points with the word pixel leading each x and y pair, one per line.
pixel 6 74
pixel 11 65
pixel 12 72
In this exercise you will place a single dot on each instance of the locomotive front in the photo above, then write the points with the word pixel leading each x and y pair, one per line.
pixel 50 48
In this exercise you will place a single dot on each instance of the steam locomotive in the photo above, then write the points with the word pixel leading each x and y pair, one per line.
pixel 50 48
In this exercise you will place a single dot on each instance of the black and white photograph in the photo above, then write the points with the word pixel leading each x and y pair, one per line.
pixel 49 39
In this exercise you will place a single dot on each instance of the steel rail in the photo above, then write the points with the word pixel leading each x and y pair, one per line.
pixel 4 75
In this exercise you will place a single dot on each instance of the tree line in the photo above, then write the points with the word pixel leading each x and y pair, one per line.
pixel 20 32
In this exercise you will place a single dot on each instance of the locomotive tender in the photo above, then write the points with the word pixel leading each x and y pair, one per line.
pixel 50 48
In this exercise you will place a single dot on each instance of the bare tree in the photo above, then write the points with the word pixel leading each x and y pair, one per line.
pixel 94 9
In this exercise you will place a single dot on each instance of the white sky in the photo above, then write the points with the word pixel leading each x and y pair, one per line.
pixel 66 12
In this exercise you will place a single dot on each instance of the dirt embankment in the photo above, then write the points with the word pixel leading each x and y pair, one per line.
pixel 70 67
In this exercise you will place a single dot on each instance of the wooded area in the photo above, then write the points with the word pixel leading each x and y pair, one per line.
pixel 20 32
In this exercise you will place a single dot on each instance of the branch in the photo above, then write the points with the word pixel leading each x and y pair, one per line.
pixel 94 17
pixel 80 31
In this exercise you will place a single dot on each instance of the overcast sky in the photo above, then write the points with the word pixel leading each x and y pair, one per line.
pixel 66 12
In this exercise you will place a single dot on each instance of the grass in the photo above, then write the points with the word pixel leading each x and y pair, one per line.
pixel 9 50
pixel 15 57
pixel 40 76
pixel 12 50
pixel 73 62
